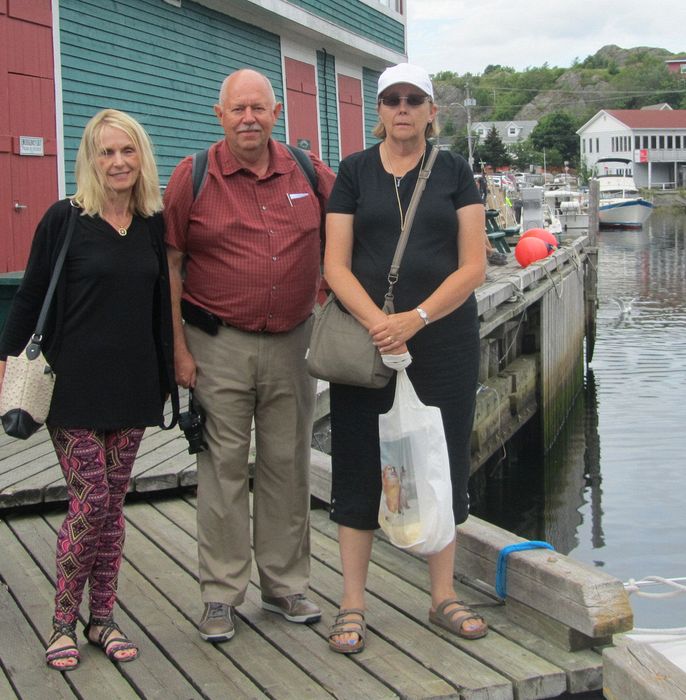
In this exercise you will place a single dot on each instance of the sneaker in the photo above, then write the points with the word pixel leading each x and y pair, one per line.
pixel 295 608
pixel 497 258
pixel 217 624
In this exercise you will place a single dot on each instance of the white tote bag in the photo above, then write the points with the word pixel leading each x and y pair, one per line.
pixel 416 508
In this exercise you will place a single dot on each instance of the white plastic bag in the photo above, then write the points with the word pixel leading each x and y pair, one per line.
pixel 416 508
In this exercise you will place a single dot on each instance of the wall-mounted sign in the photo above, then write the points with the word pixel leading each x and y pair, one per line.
pixel 31 146
pixel 305 143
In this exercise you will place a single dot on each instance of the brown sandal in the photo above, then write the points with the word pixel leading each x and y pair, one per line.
pixel 342 625
pixel 111 639
pixel 67 657
pixel 454 619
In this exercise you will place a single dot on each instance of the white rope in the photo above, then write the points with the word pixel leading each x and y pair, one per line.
pixel 632 586
pixel 678 588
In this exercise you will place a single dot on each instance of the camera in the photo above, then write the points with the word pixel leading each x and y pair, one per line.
pixel 191 422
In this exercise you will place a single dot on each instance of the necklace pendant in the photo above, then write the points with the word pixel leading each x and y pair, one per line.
pixel 122 231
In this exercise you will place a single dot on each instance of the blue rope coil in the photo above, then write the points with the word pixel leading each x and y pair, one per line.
pixel 501 567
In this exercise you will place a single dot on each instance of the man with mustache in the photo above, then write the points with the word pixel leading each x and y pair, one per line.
pixel 249 243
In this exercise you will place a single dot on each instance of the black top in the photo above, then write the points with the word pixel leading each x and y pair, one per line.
pixel 109 336
pixel 365 189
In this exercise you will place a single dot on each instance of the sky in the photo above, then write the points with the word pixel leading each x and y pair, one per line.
pixel 467 35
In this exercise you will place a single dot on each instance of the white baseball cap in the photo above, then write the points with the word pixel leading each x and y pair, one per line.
pixel 405 73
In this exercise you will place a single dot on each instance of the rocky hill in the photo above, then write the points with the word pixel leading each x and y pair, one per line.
pixel 612 78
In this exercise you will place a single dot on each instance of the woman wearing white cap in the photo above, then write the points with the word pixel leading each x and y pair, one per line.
pixel 435 319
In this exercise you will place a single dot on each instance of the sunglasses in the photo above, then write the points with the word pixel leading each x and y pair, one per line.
pixel 414 100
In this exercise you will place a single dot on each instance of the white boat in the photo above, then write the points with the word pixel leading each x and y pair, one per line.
pixel 568 207
pixel 619 202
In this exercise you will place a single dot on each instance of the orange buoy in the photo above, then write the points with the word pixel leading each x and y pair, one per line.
pixel 530 249
pixel 543 234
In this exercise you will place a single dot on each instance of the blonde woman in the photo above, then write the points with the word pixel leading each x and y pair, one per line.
pixel 109 341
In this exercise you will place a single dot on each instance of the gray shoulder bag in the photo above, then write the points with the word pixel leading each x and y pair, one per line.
pixel 341 349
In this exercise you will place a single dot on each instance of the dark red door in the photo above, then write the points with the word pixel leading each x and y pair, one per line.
pixel 301 103
pixel 28 149
pixel 350 114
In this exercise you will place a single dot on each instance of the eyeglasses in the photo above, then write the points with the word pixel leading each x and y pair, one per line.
pixel 414 100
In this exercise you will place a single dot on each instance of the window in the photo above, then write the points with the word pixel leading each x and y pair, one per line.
pixel 682 68
pixel 645 142
pixel 677 142
pixel 612 144
pixel 512 131
pixel 662 141
pixel 396 5
pixel 590 145
pixel 583 145
pixel 637 141
pixel 669 142
pixel 597 145
pixel 653 141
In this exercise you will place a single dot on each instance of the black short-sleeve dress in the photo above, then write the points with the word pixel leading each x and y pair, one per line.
pixel 444 369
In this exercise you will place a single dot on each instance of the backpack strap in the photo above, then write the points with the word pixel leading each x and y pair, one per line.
pixel 305 164
pixel 199 171
pixel 200 167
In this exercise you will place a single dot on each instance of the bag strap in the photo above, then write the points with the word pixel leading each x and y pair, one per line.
pixel 422 179
pixel 34 347
pixel 199 167
pixel 304 163
pixel 199 170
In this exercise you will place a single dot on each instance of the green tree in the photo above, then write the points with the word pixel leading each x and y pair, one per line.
pixel 524 154
pixel 557 131
pixel 493 150
pixel 448 129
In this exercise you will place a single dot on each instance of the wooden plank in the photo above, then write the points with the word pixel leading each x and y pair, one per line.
pixel 6 690
pixel 560 634
pixel 251 652
pixel 394 668
pixel 31 587
pixel 635 671
pixel 208 672
pixel 588 600
pixel 583 669
pixel 531 676
pixel 168 473
pixel 491 296
pixel 20 650
pixel 153 675
pixel 320 475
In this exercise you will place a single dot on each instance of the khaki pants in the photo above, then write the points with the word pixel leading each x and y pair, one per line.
pixel 242 376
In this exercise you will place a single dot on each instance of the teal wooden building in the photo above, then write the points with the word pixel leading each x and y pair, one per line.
pixel 163 61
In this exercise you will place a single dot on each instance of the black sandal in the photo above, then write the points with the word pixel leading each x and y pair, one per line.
pixel 70 651
pixel 111 645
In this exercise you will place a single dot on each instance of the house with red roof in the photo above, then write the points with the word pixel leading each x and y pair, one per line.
pixel 677 66
pixel 653 140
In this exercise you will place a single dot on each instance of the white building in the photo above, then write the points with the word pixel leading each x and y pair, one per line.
pixel 510 132
pixel 654 140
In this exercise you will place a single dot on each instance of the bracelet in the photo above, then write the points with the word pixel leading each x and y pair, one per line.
pixel 423 315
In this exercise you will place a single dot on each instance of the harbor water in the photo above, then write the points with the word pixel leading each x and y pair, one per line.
pixel 611 491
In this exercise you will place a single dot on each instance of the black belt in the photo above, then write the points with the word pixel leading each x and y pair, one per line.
pixel 207 321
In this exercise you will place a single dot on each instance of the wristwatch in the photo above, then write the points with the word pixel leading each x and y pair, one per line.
pixel 423 315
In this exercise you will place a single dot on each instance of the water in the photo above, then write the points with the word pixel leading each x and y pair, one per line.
pixel 611 492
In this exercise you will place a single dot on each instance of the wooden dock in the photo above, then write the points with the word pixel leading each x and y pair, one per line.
pixel 545 638
pixel 406 657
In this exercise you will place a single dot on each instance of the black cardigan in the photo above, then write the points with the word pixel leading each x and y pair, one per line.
pixel 23 315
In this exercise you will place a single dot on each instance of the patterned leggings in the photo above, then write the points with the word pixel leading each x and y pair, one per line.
pixel 96 465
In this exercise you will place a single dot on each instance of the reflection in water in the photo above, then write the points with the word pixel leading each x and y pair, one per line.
pixel 611 490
